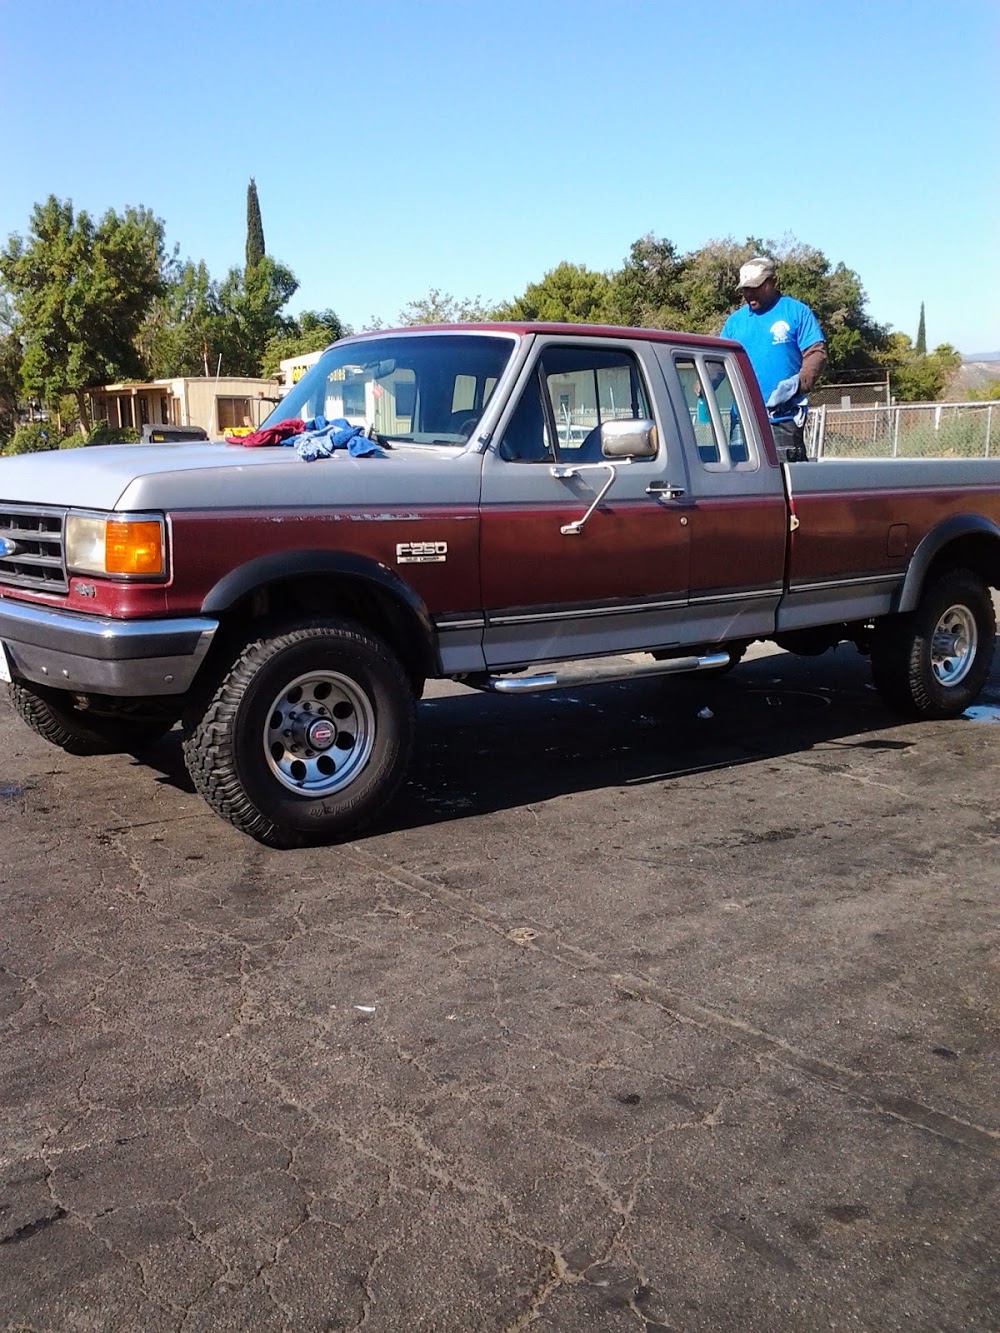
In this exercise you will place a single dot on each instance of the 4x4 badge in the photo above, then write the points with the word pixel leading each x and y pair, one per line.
pixel 421 553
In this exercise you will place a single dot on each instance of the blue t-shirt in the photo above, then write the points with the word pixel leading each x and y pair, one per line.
pixel 774 342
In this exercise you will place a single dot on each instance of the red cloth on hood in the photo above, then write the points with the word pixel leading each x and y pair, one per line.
pixel 278 434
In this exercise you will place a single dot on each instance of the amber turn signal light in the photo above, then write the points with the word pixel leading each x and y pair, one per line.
pixel 134 547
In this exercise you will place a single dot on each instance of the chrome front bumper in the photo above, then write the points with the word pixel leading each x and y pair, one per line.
pixel 97 655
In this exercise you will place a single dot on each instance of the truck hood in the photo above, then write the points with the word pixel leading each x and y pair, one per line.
pixel 198 476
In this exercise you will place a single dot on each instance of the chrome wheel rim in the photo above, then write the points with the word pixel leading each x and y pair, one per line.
pixel 953 645
pixel 319 733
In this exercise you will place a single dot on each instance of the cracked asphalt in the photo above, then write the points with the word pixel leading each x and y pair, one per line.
pixel 624 1018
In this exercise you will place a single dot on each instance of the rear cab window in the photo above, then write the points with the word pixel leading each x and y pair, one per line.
pixel 717 412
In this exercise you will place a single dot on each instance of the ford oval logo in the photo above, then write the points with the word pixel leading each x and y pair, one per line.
pixel 7 547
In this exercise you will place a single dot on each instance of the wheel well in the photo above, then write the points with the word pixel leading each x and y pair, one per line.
pixel 976 551
pixel 302 595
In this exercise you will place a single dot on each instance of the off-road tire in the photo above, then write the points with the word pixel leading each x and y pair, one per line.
pixel 51 714
pixel 229 731
pixel 911 662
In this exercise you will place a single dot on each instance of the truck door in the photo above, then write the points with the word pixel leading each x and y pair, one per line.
pixel 737 511
pixel 581 554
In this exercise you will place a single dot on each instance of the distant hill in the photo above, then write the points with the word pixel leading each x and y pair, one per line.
pixel 974 374
pixel 981 356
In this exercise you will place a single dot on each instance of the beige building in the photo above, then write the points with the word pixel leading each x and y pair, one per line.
pixel 217 405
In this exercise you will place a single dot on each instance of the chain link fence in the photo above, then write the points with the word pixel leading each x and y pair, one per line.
pixel 904 430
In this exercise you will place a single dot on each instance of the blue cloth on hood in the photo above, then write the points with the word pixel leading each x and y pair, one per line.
pixel 321 438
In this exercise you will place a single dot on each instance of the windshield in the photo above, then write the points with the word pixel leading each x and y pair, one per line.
pixel 419 389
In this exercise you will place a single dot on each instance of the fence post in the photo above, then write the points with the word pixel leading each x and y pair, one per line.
pixel 819 431
pixel 989 424
pixel 895 433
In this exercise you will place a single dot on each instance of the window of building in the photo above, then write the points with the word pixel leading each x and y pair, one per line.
pixel 233 413
pixel 404 389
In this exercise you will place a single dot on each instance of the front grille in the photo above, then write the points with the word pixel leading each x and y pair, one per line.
pixel 38 559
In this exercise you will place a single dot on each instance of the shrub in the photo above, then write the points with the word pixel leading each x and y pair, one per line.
pixel 102 433
pixel 33 437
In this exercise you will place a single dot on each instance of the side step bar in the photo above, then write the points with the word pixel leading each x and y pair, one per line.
pixel 573 675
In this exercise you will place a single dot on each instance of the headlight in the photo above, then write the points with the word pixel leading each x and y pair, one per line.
pixel 125 545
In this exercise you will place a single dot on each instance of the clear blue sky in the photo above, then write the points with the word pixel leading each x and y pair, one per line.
pixel 400 145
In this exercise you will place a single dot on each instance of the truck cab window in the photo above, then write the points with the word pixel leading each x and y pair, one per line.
pixel 587 386
pixel 527 438
pixel 715 414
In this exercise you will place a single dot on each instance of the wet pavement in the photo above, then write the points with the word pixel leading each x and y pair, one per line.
pixel 665 1005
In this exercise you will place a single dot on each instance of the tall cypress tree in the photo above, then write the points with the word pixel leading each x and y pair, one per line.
pixel 921 347
pixel 255 228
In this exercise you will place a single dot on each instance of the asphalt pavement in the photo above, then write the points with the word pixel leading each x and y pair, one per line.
pixel 661 1005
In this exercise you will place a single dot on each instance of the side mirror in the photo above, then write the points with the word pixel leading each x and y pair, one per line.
pixel 629 439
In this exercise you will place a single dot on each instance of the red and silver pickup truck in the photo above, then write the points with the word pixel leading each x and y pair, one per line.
pixel 554 504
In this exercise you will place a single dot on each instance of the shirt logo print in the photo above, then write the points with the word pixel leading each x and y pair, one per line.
pixel 779 332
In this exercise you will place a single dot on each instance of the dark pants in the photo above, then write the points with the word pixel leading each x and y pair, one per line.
pixel 789 440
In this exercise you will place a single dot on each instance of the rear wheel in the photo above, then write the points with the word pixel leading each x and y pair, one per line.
pixel 307 736
pixel 52 715
pixel 933 661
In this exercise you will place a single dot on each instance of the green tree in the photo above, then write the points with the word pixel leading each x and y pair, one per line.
pixel 255 228
pixel 184 323
pixel 921 347
pixel 918 379
pixel 313 331
pixel 644 293
pixel 835 295
pixel 657 287
pixel 567 294
pixel 707 284
pixel 250 305
pixel 439 307
pixel 10 368
pixel 80 291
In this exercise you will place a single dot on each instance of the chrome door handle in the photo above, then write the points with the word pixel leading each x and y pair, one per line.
pixel 664 491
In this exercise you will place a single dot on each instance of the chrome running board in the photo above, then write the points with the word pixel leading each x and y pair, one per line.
pixel 572 675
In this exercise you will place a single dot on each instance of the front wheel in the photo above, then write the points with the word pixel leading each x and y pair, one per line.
pixel 933 661
pixel 307 736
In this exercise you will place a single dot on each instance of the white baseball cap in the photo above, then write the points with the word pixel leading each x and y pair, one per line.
pixel 756 271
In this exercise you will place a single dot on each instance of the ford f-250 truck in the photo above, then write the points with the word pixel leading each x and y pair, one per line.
pixel 547 495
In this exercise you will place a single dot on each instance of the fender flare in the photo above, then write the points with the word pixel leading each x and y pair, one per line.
pixel 281 565
pixel 958 525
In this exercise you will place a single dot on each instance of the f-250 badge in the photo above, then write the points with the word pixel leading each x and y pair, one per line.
pixel 421 553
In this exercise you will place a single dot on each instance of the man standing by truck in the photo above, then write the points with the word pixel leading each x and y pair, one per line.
pixel 786 348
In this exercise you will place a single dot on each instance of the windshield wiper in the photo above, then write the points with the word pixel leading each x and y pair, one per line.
pixel 383 440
